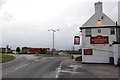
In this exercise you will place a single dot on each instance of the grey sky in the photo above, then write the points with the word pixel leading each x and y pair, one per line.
pixel 26 22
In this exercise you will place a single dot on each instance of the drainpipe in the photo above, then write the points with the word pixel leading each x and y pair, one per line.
pixel 115 50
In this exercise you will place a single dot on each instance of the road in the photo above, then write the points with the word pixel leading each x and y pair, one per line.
pixel 31 67
pixel 26 67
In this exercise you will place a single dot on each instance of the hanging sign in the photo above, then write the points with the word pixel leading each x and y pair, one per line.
pixel 76 40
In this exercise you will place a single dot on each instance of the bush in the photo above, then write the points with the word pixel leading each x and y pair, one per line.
pixel 43 51
pixel 78 58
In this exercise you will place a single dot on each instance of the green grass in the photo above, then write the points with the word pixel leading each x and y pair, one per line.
pixel 5 58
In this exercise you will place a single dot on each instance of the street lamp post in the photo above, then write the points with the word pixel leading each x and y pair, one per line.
pixel 53 30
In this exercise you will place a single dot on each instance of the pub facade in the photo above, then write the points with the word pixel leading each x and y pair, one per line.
pixel 99 34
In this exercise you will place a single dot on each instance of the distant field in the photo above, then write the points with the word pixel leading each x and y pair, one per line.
pixel 5 58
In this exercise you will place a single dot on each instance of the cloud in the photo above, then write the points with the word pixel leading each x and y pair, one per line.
pixel 2 2
pixel 119 12
pixel 29 23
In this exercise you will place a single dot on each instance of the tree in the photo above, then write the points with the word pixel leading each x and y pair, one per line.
pixel 43 51
pixel 18 49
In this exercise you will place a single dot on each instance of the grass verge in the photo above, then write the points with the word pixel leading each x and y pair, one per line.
pixel 5 58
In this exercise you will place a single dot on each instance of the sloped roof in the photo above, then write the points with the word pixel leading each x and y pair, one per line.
pixel 106 21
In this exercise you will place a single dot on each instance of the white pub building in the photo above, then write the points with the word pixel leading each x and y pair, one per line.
pixel 100 38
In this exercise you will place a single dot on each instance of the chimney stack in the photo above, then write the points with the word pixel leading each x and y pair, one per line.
pixel 98 7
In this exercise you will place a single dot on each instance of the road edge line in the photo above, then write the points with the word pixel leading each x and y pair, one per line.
pixel 59 70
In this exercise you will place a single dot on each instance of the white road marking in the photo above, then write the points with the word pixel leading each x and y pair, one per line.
pixel 18 68
pixel 58 70
pixel 29 63
pixel 7 73
pixel 57 76
pixel 40 60
pixel 24 66
pixel 21 66
pixel 37 60
pixel 72 72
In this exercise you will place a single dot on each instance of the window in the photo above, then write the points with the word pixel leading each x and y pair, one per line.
pixel 88 32
pixel 88 52
pixel 118 34
pixel 112 30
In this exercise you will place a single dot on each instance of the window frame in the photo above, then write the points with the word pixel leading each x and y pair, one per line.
pixel 112 31
pixel 88 32
pixel 118 34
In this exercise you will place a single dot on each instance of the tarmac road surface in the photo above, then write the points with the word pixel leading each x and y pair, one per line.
pixel 30 67
pixel 26 67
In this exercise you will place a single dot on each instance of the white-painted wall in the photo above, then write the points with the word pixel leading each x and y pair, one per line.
pixel 118 50
pixel 104 32
pixel 116 53
pixel 101 53
pixel 99 56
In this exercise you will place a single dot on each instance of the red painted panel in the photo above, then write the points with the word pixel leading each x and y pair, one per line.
pixel 99 40
pixel 88 52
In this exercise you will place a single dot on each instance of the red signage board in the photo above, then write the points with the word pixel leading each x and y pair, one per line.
pixel 76 40
pixel 99 40
pixel 88 52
